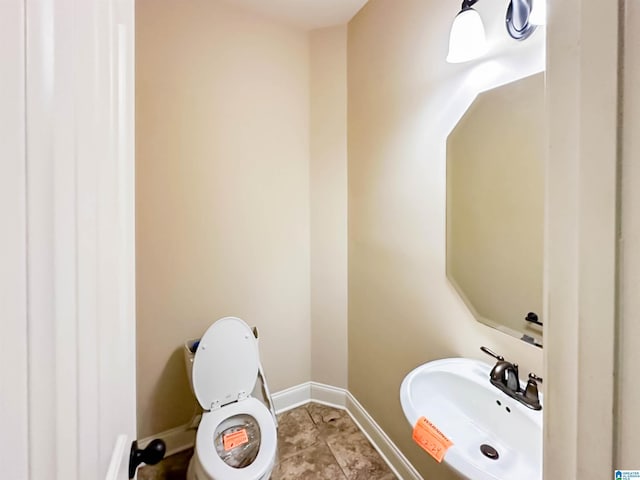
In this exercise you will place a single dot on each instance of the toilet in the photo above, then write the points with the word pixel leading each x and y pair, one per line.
pixel 237 435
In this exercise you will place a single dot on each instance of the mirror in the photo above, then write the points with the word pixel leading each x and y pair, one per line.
pixel 495 206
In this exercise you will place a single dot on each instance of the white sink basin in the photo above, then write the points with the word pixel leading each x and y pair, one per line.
pixel 456 396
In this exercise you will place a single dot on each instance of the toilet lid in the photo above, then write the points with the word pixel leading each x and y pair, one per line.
pixel 225 366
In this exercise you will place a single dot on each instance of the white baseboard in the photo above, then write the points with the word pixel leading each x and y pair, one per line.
pixel 309 392
pixel 176 440
pixel 388 450
pixel 328 395
pixel 291 398
pixel 183 437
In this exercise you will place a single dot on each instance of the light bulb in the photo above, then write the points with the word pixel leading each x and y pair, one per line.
pixel 467 39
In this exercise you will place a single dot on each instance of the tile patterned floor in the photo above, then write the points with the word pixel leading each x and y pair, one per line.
pixel 315 442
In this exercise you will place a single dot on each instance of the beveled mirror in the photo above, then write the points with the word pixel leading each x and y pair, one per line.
pixel 495 207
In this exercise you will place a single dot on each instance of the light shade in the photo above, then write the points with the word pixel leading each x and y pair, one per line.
pixel 539 12
pixel 467 39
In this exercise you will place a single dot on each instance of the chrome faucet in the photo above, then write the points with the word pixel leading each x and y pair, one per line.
pixel 504 376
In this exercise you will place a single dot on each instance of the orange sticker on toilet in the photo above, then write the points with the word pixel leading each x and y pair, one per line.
pixel 432 440
pixel 235 439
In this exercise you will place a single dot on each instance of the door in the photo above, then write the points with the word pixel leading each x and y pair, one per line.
pixel 67 368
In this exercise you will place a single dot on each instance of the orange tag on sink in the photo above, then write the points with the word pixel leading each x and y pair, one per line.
pixel 235 439
pixel 432 440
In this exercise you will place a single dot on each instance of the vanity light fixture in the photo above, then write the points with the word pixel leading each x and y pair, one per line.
pixel 518 19
pixel 467 39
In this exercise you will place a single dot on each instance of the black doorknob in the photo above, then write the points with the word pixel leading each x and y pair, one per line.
pixel 533 318
pixel 152 454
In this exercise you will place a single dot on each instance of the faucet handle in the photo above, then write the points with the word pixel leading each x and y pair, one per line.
pixel 531 390
pixel 492 354
pixel 535 377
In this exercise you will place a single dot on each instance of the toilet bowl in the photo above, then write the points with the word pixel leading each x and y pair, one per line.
pixel 237 437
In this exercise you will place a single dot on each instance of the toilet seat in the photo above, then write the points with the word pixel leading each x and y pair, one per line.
pixel 213 465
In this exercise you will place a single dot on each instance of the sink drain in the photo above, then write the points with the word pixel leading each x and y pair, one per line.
pixel 489 452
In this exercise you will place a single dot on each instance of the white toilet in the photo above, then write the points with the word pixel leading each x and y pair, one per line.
pixel 236 439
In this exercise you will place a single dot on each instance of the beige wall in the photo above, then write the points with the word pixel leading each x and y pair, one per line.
pixel 403 101
pixel 328 183
pixel 222 99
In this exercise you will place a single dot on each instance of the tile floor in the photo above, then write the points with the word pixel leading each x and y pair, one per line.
pixel 315 442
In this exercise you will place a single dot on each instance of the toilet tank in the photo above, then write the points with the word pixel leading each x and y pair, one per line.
pixel 189 354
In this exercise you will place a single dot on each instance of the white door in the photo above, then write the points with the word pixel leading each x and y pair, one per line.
pixel 13 296
pixel 67 338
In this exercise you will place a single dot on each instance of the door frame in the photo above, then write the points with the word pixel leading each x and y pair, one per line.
pixel 581 222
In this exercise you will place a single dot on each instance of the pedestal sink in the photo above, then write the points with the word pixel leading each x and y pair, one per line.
pixel 455 395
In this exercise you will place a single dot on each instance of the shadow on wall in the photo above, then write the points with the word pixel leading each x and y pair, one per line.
pixel 172 392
